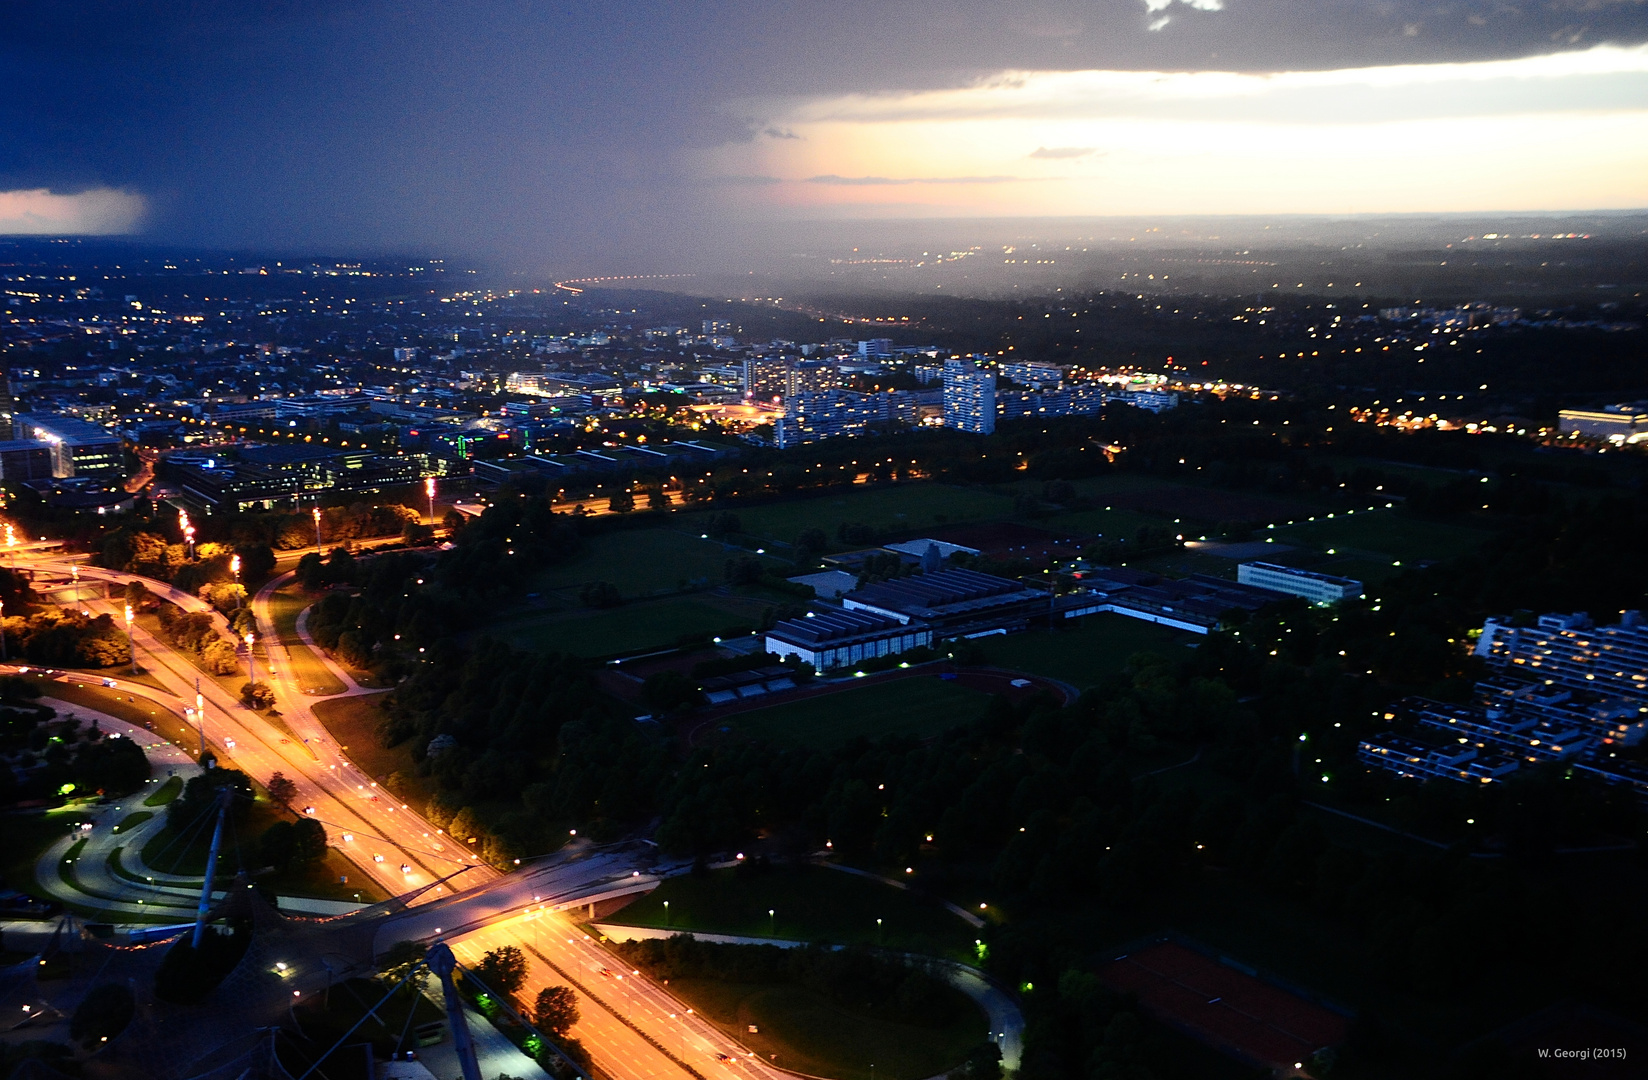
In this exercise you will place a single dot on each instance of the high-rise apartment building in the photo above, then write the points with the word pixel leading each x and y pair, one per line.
pixel 1036 373
pixel 765 376
pixel 811 377
pixel 969 397
pixel 832 414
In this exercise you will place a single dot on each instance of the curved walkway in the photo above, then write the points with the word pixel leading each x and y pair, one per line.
pixel 94 881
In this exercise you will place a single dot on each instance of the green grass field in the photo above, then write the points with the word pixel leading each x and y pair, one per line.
pixel 27 835
pixel 1084 654
pixel 134 819
pixel 312 675
pixel 1383 532
pixel 632 627
pixel 810 903
pixel 801 1030
pixel 166 792
pixel 1112 524
pixel 639 562
pixel 166 851
pixel 898 508
pixel 920 706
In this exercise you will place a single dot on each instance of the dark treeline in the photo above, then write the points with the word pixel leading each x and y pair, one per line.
pixel 855 978
pixel 1043 807
pixel 1045 810
pixel 44 757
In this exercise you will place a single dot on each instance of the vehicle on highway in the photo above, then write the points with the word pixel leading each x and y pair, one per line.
pixel 406 868
pixel 229 744
pixel 310 810
pixel 725 1058
pixel 108 682
pixel 377 858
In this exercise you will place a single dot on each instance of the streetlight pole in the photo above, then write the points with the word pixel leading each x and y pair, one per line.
pixel 234 565
pixel 130 648
pixel 251 657
pixel 429 490
pixel 3 655
pixel 200 716
pixel 317 530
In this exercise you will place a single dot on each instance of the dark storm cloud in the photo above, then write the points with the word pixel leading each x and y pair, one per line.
pixel 551 135
pixel 884 181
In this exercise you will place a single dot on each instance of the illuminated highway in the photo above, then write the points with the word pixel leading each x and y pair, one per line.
pixel 481 909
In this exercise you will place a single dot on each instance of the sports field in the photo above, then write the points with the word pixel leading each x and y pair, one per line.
pixel 809 903
pixel 638 562
pixel 1383 532
pixel 799 1029
pixel 631 627
pixel 1226 1007
pixel 1083 654
pixel 922 705
pixel 899 508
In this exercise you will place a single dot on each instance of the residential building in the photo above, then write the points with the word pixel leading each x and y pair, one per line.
pixel 1036 373
pixel 810 377
pixel 765 376
pixel 969 397
pixel 1317 588
pixel 835 413
pixel 1077 399
pixel 1569 651
pixel 1562 691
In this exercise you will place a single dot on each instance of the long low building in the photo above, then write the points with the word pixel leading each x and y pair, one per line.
pixel 1198 603
pixel 832 639
pixel 1317 588
pixel 954 603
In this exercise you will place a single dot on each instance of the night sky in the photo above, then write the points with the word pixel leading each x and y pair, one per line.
pixel 640 135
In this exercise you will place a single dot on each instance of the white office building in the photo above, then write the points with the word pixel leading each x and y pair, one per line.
pixel 1317 588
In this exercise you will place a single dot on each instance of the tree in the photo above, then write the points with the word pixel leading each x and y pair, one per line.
pixel 257 561
pixel 102 1014
pixel 402 959
pixel 503 970
pixel 311 571
pixel 811 542
pixel 308 842
pixel 275 846
pixel 257 695
pixel 292 845
pixel 282 790
pixel 200 796
pixel 220 658
pixel 556 1010
pixel 621 501
pixel 341 566
pixel 658 499
pixel 113 766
